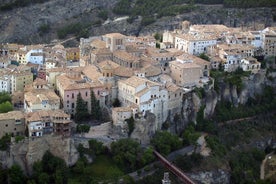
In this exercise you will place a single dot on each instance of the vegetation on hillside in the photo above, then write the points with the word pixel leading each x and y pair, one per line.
pixel 161 8
pixel 19 3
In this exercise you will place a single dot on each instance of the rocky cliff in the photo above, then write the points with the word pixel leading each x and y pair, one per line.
pixel 30 150
pixel 23 24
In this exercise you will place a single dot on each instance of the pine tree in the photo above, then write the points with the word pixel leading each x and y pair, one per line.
pixel 81 109
pixel 96 112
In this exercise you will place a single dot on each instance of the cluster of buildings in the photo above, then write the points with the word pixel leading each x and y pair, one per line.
pixel 145 79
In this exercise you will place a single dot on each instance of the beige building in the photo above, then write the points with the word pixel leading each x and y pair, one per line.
pixel 269 41
pixel 120 114
pixel 250 64
pixel 44 122
pixel 148 96
pixel 13 123
pixel 41 99
pixel 188 70
pixel 115 41
pixel 20 79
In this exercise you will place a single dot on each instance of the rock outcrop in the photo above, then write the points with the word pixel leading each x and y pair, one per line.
pixel 30 150
pixel 23 24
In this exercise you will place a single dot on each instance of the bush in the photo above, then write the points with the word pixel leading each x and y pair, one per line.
pixel 83 128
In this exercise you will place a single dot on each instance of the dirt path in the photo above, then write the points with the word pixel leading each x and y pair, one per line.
pixel 262 170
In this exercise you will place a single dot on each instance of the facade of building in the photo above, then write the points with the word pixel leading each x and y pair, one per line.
pixel 250 64
pixel 188 70
pixel 54 122
pixel 12 123
pixel 41 99
pixel 19 79
pixel 35 56
pixel 73 54
pixel 194 44
pixel 148 96
pixel 114 41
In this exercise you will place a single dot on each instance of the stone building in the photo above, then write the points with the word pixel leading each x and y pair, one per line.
pixel 44 122
pixel 13 123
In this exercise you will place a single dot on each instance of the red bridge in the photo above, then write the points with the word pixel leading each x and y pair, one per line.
pixel 185 179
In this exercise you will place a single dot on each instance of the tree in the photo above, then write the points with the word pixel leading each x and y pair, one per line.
pixel 6 107
pixel 126 153
pixel 3 175
pixel 5 142
pixel 4 97
pixel 131 125
pixel 81 109
pixel 116 103
pixel 204 56
pixel 96 146
pixel 190 136
pixel 96 112
pixel 165 142
pixel 55 167
pixel 16 175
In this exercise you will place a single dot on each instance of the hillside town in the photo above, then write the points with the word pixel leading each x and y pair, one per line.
pixel 143 74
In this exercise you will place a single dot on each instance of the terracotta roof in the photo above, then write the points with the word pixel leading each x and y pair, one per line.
pixel 123 72
pixel 135 81
pixel 170 86
pixel 97 43
pixel 52 114
pixel 185 65
pixel 116 35
pixel 125 55
pixel 37 95
pixel 11 115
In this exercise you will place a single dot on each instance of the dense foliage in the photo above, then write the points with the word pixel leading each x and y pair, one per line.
pixel 5 102
pixel 50 169
pixel 81 109
pixel 5 142
pixel 129 155
pixel 162 8
pixel 19 3
pixel 245 166
pixel 165 142
pixel 96 112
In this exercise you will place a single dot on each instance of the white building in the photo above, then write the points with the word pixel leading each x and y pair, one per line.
pixel 35 56
pixel 194 44
pixel 48 122
pixel 5 83
pixel 250 64
pixel 146 95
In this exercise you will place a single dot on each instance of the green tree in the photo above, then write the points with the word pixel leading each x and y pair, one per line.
pixel 131 125
pixel 5 142
pixel 190 136
pixel 4 97
pixel 165 142
pixel 6 107
pixel 148 156
pixel 96 146
pixel 16 175
pixel 3 174
pixel 83 128
pixel 96 112
pixel 55 167
pixel 126 153
pixel 204 56
pixel 81 109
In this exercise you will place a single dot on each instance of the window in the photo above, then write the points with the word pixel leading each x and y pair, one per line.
pixel 86 93
pixel 73 95
pixel 73 105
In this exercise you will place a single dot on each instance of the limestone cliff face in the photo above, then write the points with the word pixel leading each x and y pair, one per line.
pixel 28 151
